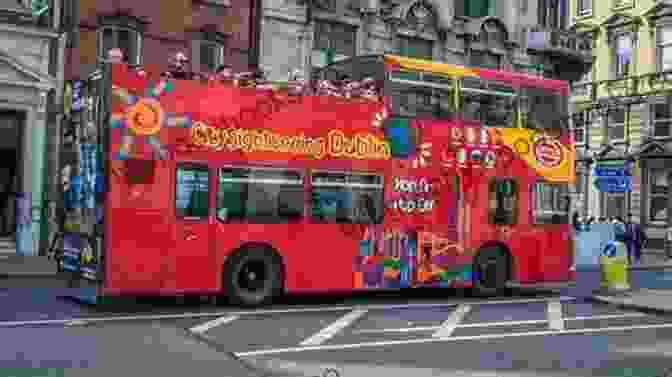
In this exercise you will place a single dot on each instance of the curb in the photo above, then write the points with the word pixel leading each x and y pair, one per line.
pixel 627 306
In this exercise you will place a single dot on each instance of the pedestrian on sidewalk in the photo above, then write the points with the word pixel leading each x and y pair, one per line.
pixel 668 242
pixel 633 240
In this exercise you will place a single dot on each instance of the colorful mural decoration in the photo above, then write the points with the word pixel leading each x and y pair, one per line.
pixel 419 243
pixel 546 154
pixel 144 118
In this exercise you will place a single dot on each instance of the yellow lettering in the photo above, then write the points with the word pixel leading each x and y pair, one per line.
pixel 336 144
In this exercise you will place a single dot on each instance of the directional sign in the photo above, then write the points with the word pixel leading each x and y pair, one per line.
pixel 614 184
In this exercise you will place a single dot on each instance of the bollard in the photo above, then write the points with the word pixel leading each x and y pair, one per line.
pixel 614 267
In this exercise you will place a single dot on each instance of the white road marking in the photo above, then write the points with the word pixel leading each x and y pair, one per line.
pixel 555 320
pixel 451 339
pixel 203 327
pixel 150 317
pixel 333 329
pixel 449 325
pixel 498 323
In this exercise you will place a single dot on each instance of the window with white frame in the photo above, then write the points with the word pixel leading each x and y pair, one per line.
pixel 664 48
pixel 337 36
pixel 614 204
pixel 207 55
pixel 128 40
pixel 584 7
pixel 659 180
pixel 661 118
pixel 616 125
pixel 622 58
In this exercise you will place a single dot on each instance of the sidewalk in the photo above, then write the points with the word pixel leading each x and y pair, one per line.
pixel 658 301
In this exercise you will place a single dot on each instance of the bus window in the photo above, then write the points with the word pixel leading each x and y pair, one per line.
pixel 347 198
pixel 503 209
pixel 260 196
pixel 550 203
pixel 191 192
pixel 542 108
pixel 490 103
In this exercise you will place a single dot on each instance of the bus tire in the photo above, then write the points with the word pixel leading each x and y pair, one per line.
pixel 252 277
pixel 490 272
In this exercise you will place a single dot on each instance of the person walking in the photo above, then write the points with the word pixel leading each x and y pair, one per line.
pixel 5 188
pixel 633 240
pixel 668 242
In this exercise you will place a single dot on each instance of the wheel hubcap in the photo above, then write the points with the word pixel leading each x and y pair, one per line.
pixel 252 276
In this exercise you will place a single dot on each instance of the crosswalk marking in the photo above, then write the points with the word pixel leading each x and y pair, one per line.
pixel 449 325
pixel 333 329
pixel 554 311
pixel 203 327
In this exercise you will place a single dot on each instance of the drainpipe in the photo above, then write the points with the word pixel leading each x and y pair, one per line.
pixel 256 13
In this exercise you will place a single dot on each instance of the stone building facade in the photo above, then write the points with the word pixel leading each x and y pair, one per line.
pixel 295 33
pixel 30 69
pixel 622 110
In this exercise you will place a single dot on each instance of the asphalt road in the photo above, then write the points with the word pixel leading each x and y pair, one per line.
pixel 368 335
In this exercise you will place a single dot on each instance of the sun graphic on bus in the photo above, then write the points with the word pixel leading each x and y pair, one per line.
pixel 144 118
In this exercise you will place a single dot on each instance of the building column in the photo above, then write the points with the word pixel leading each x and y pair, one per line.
pixel 24 232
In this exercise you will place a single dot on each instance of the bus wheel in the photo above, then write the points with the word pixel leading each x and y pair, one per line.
pixel 252 277
pixel 490 272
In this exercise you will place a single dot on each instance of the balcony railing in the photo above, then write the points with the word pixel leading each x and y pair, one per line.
pixel 560 42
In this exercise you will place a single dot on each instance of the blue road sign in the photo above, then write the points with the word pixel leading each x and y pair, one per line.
pixel 614 184
pixel 609 250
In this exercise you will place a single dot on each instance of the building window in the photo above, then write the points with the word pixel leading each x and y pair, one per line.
pixel 616 125
pixel 416 47
pixel 260 196
pixel 475 8
pixel 580 183
pixel 551 13
pixel 129 41
pixel 503 208
pixel 550 203
pixel 347 198
pixel 191 192
pixel 337 36
pixel 584 7
pixel 622 57
pixel 664 49
pixel 614 205
pixel 581 123
pixel 658 195
pixel 662 118
pixel 207 55
pixel 484 60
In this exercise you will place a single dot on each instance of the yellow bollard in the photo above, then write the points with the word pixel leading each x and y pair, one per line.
pixel 614 266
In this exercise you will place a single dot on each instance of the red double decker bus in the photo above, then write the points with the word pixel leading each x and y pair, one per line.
pixel 446 176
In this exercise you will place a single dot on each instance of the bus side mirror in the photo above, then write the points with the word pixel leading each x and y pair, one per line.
pixel 222 214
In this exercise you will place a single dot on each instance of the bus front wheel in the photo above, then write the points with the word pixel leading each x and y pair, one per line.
pixel 252 277
pixel 490 272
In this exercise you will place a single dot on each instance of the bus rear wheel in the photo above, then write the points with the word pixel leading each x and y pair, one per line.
pixel 490 272
pixel 252 277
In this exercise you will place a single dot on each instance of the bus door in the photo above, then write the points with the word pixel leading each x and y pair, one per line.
pixel 191 265
pixel 550 217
